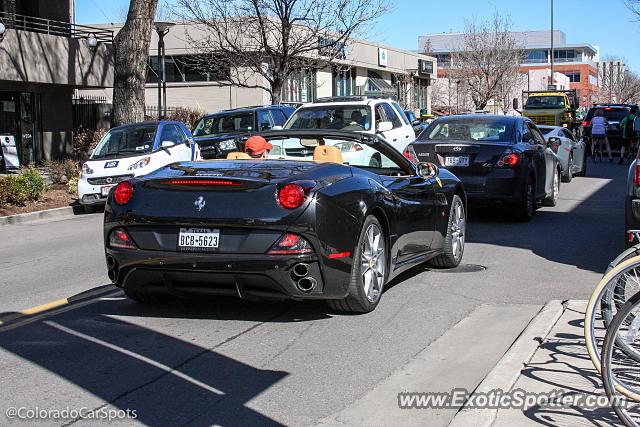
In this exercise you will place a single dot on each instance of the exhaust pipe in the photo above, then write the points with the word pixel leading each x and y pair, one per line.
pixel 113 275
pixel 306 284
pixel 301 270
pixel 111 262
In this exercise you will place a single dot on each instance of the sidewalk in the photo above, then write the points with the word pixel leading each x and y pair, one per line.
pixel 560 363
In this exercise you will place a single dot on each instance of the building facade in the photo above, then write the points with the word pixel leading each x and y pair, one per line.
pixel 45 58
pixel 579 62
pixel 365 68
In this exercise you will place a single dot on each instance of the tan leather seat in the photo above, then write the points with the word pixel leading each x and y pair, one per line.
pixel 238 155
pixel 327 154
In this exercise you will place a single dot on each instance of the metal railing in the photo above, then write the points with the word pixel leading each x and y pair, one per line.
pixel 55 28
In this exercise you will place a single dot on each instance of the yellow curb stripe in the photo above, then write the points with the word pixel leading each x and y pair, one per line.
pixel 45 307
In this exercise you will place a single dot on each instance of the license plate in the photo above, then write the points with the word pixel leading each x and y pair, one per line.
pixel 198 238
pixel 105 190
pixel 456 161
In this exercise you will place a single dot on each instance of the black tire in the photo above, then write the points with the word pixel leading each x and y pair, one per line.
pixel 583 171
pixel 524 211
pixel 450 257
pixel 356 300
pixel 145 297
pixel 552 200
pixel 568 175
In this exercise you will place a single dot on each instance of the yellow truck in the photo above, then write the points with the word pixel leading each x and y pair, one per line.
pixel 552 108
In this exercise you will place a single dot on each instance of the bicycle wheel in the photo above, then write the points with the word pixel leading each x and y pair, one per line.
pixel 620 374
pixel 626 276
pixel 612 301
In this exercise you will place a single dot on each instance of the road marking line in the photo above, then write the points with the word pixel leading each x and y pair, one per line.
pixel 60 310
pixel 167 369
pixel 44 307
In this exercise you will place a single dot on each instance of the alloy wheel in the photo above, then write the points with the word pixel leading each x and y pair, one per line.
pixel 458 229
pixel 373 263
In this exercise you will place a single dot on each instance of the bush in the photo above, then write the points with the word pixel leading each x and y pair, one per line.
pixel 62 172
pixel 186 115
pixel 72 186
pixel 85 140
pixel 17 190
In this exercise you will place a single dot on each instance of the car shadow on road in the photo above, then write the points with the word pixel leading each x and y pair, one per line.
pixel 588 236
pixel 165 380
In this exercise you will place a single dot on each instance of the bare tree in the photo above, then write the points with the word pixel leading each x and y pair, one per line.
pixel 259 43
pixel 616 83
pixel 488 59
pixel 131 47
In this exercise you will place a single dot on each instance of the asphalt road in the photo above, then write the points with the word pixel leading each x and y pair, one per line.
pixel 231 362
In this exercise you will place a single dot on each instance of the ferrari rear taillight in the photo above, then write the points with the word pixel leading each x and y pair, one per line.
pixel 123 193
pixel 120 239
pixel 410 154
pixel 636 179
pixel 291 196
pixel 291 244
pixel 510 160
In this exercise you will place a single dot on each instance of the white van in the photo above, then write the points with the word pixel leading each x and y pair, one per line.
pixel 132 150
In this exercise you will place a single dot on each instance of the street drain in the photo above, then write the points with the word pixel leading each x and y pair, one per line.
pixel 462 268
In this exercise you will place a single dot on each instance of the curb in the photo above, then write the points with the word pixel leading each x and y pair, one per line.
pixel 507 371
pixel 32 216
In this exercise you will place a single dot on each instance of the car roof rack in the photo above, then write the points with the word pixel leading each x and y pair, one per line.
pixel 350 98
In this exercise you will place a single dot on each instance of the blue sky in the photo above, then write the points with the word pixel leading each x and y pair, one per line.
pixel 605 23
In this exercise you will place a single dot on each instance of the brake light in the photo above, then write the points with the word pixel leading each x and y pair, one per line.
pixel 636 180
pixel 291 244
pixel 202 182
pixel 585 123
pixel 511 159
pixel 410 154
pixel 120 239
pixel 123 193
pixel 608 109
pixel 291 196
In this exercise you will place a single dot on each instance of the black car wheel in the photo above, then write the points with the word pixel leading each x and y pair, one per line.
pixel 368 271
pixel 552 200
pixel 568 176
pixel 454 241
pixel 583 171
pixel 524 211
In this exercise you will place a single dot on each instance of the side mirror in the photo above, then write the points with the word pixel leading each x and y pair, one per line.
pixel 636 124
pixel 554 143
pixel 416 122
pixel 427 170
pixel 384 126
pixel 167 144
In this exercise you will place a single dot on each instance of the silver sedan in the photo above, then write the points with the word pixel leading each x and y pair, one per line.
pixel 571 152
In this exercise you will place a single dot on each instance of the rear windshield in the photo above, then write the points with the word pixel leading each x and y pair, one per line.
pixel 544 102
pixel 127 141
pixel 227 123
pixel 485 129
pixel 610 113
pixel 354 118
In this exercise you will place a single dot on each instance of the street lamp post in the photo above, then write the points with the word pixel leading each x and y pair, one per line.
pixel 162 28
pixel 552 55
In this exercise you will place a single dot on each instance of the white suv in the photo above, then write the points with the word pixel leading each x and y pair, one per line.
pixel 358 114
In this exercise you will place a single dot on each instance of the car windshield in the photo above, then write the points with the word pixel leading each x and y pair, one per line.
pixel 348 117
pixel 544 102
pixel 484 129
pixel 227 123
pixel 127 141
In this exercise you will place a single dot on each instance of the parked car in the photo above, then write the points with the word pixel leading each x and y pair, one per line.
pixel 571 152
pixel 614 113
pixel 373 116
pixel 132 150
pixel 416 123
pixel 312 228
pixel 224 132
pixel 501 160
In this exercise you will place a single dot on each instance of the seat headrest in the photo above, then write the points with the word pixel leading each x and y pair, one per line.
pixel 238 155
pixel 327 154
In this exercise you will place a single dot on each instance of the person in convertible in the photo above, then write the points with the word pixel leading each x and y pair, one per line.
pixel 257 147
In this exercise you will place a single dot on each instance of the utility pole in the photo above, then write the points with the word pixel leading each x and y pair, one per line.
pixel 552 55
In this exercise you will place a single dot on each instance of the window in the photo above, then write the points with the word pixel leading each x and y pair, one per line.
pixel 300 86
pixel 347 117
pixel 264 120
pixel 344 82
pixel 212 125
pixel 172 133
pixel 403 116
pixel 278 117
pixel 130 140
pixel 185 68
pixel 536 57
pixel 391 115
pixel 491 130
pixel 574 76
pixel 565 55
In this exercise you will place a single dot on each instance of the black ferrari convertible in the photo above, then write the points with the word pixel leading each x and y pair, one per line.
pixel 302 224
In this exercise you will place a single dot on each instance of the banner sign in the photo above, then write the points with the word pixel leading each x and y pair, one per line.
pixel 9 152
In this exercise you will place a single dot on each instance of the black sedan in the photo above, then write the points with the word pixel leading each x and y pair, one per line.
pixel 502 160
pixel 301 224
